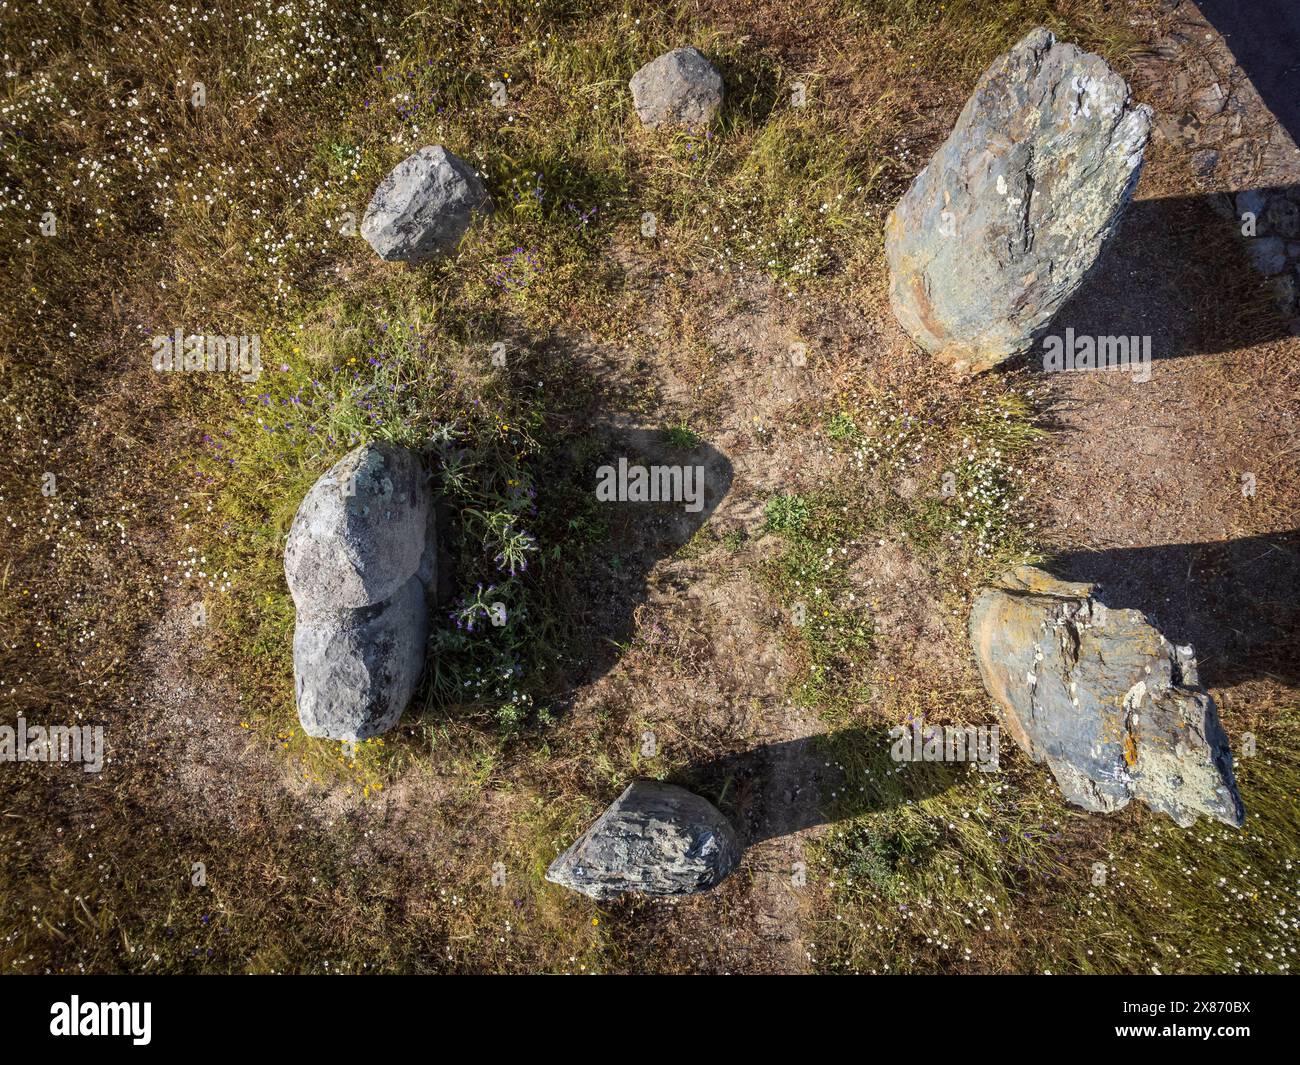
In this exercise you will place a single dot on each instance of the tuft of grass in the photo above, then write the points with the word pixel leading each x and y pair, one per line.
pixel 681 435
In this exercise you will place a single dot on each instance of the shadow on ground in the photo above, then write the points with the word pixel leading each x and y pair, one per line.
pixel 1179 271
pixel 1264 36
pixel 1237 602
pixel 629 540
pixel 838 775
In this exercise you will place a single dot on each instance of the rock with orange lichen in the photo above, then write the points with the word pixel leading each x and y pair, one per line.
pixel 1103 698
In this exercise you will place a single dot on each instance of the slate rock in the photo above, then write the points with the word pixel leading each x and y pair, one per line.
pixel 423 208
pixel 1003 225
pixel 361 530
pixel 1103 698
pixel 680 88
pixel 356 670
pixel 654 839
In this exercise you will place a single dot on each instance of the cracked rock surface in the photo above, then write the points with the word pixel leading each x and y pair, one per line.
pixel 1103 698
pixel 654 839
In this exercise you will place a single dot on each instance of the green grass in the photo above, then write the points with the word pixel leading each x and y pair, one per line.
pixel 681 435
pixel 935 871
pixel 811 581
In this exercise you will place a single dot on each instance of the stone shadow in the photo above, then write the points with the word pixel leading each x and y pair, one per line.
pixel 776 789
pixel 1179 270
pixel 628 539
pixel 1264 37
pixel 1237 602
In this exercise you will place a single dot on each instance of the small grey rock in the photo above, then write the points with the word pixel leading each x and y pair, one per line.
pixel 423 208
pixel 1103 698
pixel 356 670
pixel 1268 254
pixel 1002 226
pixel 1250 202
pixel 654 839
pixel 679 88
pixel 360 531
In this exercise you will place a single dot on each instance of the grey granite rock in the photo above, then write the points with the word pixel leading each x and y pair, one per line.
pixel 1002 226
pixel 423 208
pixel 356 670
pixel 360 532
pixel 680 88
pixel 655 839
pixel 1099 695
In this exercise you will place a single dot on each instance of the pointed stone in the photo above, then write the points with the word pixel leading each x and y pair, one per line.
pixel 654 839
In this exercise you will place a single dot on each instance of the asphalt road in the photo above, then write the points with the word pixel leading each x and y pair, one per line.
pixel 1264 35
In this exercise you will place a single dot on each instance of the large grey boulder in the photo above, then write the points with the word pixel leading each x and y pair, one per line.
pixel 1104 699
pixel 1002 226
pixel 680 88
pixel 360 531
pixel 355 670
pixel 422 209
pixel 655 839
pixel 361 563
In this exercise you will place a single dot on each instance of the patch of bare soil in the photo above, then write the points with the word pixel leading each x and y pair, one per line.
pixel 706 670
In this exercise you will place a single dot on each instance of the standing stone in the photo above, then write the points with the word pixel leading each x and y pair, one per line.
pixel 356 670
pixel 1102 697
pixel 360 531
pixel 422 209
pixel 361 564
pixel 1003 225
pixel 680 88
pixel 655 839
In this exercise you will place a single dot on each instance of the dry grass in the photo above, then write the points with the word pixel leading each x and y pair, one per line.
pixel 235 228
